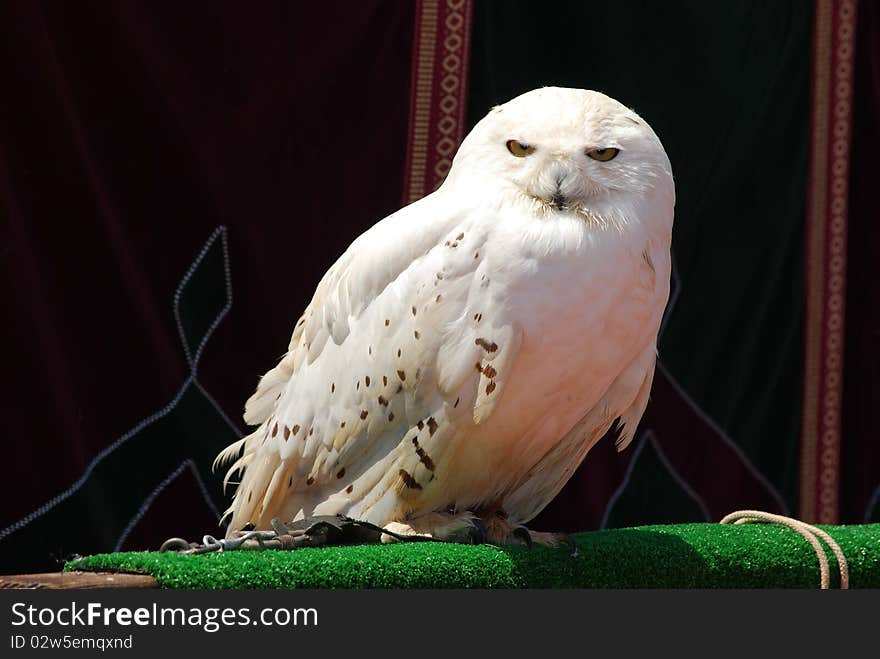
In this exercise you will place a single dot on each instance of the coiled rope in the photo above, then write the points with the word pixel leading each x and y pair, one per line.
pixel 809 532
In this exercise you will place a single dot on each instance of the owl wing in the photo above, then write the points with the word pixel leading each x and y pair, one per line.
pixel 400 337
pixel 370 264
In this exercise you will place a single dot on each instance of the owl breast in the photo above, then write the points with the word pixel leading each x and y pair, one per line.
pixel 588 305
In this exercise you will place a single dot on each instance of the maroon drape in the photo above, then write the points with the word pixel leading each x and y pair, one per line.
pixel 860 454
pixel 128 132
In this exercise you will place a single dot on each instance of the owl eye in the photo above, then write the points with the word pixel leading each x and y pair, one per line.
pixel 603 155
pixel 519 149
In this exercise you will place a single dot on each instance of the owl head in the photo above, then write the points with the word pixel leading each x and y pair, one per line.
pixel 564 150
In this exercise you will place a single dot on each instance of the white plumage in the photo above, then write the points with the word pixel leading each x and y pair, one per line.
pixel 464 354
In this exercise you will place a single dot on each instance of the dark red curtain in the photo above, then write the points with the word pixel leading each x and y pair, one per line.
pixel 128 132
pixel 860 451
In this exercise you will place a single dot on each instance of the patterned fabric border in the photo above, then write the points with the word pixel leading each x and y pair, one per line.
pixel 441 52
pixel 833 62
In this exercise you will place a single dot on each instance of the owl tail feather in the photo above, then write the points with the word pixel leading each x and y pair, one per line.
pixel 261 404
pixel 260 494
pixel 230 453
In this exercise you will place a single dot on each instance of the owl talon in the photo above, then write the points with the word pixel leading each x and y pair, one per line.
pixel 503 532
pixel 465 530
pixel 566 539
pixel 478 532
pixel 522 533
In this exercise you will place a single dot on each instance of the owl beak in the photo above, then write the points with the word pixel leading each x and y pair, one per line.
pixel 557 186
pixel 559 200
pixel 561 179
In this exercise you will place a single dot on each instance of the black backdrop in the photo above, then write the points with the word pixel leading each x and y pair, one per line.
pixel 726 87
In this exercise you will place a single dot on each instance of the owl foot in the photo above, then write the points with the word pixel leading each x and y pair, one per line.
pixel 332 530
pixel 501 531
pixel 465 528
pixel 318 531
pixel 523 536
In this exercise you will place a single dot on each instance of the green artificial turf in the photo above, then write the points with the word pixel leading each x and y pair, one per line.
pixel 673 556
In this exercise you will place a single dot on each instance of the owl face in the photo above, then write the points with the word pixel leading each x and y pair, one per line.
pixel 566 149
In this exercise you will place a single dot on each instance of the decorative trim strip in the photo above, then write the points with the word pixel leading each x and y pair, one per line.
pixel 145 506
pixel 441 54
pixel 825 262
pixel 192 359
pixel 662 372
pixel 645 438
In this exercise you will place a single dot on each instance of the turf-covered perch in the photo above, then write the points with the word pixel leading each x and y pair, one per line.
pixel 670 556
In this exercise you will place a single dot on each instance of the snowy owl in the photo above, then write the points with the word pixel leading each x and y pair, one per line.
pixel 460 359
